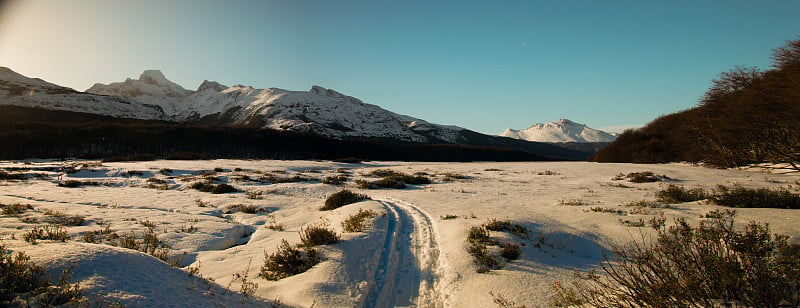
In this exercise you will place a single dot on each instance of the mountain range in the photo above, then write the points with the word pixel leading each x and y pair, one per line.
pixel 319 111
pixel 561 131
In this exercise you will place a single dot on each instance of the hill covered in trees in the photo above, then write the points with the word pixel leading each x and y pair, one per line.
pixel 746 116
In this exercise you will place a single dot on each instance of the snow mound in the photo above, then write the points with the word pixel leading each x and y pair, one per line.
pixel 137 279
pixel 561 131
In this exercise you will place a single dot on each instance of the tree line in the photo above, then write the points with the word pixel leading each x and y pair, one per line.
pixel 35 133
pixel 747 116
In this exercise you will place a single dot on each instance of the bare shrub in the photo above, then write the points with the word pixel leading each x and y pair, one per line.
pixel 14 209
pixel 48 232
pixel 22 281
pixel 640 177
pixel 709 265
pixel 342 198
pixel 287 261
pixel 318 235
pixel 679 194
pixel 357 222
pixel 335 179
pixel 755 198
pixel 510 251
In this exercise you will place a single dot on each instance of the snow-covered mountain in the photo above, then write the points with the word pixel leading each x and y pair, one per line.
pixel 320 111
pixel 562 131
pixel 18 90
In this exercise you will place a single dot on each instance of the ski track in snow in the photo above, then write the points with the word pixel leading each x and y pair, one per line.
pixel 407 269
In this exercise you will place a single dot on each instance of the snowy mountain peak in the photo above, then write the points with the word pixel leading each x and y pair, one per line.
pixel 154 76
pixel 18 90
pixel 211 86
pixel 567 122
pixel 562 130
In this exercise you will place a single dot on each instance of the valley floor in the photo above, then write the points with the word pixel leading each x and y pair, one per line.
pixel 413 253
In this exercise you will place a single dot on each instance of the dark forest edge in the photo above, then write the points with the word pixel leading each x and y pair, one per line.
pixel 35 133
pixel 747 116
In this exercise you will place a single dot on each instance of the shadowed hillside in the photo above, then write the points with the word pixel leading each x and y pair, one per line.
pixel 747 116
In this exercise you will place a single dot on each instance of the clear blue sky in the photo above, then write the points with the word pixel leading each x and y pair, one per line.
pixel 483 65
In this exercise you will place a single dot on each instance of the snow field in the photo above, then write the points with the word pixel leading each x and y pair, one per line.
pixel 409 256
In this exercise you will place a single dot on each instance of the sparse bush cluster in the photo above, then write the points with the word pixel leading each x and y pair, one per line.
pixel 709 265
pixel 47 232
pixel 4 175
pixel 358 221
pixel 14 209
pixel 679 194
pixel 24 283
pixel 75 183
pixel 208 186
pixel 335 179
pixel 288 261
pixel 393 179
pixel 737 196
pixel 481 242
pixel 641 177
pixel 342 198
pixel 59 218
pixel 752 198
pixel 318 235
pixel 244 208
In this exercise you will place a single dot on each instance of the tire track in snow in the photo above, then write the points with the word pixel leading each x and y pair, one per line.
pixel 406 274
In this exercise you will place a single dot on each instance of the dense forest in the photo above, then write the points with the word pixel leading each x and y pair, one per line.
pixel 746 116
pixel 36 133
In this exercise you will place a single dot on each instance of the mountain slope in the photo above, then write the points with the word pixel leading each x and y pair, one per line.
pixel 320 111
pixel 562 131
pixel 18 90
pixel 215 108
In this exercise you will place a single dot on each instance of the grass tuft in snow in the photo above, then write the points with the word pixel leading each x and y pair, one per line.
pixel 358 221
pixel 288 261
pixel 342 198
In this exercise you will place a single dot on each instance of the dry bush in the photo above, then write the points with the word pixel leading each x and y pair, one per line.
pixel 335 179
pixel 755 198
pixel 24 283
pixel 288 261
pixel 48 232
pixel 640 177
pixel 318 235
pixel 510 251
pixel 357 222
pixel 679 194
pixel 15 209
pixel 709 265
pixel 207 186
pixel 342 198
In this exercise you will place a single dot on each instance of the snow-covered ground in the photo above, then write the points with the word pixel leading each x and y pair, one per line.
pixel 409 256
